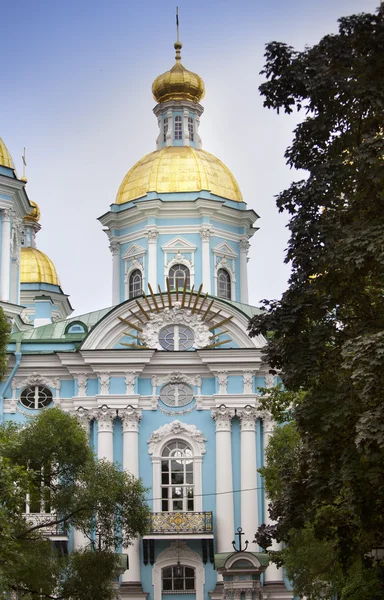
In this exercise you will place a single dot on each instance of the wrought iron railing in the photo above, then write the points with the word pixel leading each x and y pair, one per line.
pixel 46 518
pixel 180 522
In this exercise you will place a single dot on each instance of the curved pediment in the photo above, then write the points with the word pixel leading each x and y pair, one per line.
pixel 137 324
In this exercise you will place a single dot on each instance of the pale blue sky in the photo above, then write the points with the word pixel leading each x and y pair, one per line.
pixel 76 91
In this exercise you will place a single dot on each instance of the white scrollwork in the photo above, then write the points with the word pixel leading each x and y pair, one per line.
pixel 178 550
pixel 114 247
pixel 248 417
pixel 153 234
pixel 205 234
pixel 268 422
pixel 82 381
pixel 248 381
pixel 269 380
pixel 176 377
pixel 223 417
pixel 37 379
pixel 176 428
pixel 104 377
pixel 175 413
pixel 244 245
pixel 105 417
pixel 84 418
pixel 222 379
pixel 131 418
pixel 130 380
pixel 175 316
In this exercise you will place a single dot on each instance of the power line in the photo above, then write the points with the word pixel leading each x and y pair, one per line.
pixel 215 493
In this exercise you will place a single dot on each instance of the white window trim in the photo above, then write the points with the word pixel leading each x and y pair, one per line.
pixel 188 558
pixel 135 266
pixel 179 259
pixel 219 265
pixel 157 449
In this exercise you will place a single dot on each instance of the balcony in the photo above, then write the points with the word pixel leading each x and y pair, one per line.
pixel 52 531
pixel 180 524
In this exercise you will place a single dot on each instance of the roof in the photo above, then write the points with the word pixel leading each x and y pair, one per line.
pixel 222 557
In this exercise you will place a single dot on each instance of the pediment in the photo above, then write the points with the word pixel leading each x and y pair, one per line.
pixel 225 249
pixel 178 243
pixel 133 250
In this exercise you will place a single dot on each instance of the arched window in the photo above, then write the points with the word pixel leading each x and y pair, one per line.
pixel 177 485
pixel 36 396
pixel 177 275
pixel 165 129
pixel 224 284
pixel 191 129
pixel 135 283
pixel 178 128
pixel 178 578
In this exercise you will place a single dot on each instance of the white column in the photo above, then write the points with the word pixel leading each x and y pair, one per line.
pixel 205 234
pixel 248 472
pixel 131 418
pixel 114 247
pixel 5 254
pixel 84 417
pixel 244 247
pixel 153 234
pixel 224 488
pixel 105 417
pixel 273 573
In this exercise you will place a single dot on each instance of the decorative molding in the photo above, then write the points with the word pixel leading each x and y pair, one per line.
pixel 131 418
pixel 205 233
pixel 176 377
pixel 222 379
pixel 269 380
pixel 178 244
pixel 176 552
pixel 244 245
pixel 248 381
pixel 175 413
pixel 82 382
pixel 37 379
pixel 104 377
pixel 225 250
pixel 152 235
pixel 105 417
pixel 84 417
pixel 268 422
pixel 133 252
pixel 175 316
pixel 248 417
pixel 114 247
pixel 223 417
pixel 130 380
pixel 173 429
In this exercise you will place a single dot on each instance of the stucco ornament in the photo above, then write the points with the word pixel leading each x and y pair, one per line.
pixel 37 379
pixel 175 316
pixel 105 417
pixel 177 377
pixel 176 428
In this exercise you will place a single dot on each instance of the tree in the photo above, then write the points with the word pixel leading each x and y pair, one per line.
pixel 51 461
pixel 326 334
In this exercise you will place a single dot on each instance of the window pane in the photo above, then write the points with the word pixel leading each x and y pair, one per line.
pixel 223 284
pixel 135 283
pixel 178 505
pixel 167 585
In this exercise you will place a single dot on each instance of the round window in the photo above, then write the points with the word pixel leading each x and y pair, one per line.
pixel 176 337
pixel 36 396
pixel 176 394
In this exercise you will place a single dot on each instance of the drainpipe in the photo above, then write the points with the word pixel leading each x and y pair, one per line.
pixel 17 354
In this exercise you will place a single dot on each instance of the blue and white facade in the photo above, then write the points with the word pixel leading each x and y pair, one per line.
pixel 166 381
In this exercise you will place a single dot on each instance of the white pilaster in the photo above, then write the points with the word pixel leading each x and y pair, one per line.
pixel 244 247
pixel 84 418
pixel 114 247
pixel 5 255
pixel 131 418
pixel 205 234
pixel 153 234
pixel 248 471
pixel 105 417
pixel 224 488
pixel 273 573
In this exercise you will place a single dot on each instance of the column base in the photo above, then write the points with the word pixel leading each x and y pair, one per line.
pixel 276 590
pixel 132 590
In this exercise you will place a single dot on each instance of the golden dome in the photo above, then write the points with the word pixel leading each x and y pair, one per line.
pixel 178 83
pixel 178 169
pixel 5 157
pixel 34 215
pixel 36 267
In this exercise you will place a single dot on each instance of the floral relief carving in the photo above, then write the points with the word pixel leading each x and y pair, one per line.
pixel 175 316
pixel 131 418
pixel 82 381
pixel 105 417
pixel 269 380
pixel 222 379
pixel 84 417
pixel 104 377
pixel 176 428
pixel 248 381
pixel 223 417
pixel 37 379
pixel 248 417
pixel 176 377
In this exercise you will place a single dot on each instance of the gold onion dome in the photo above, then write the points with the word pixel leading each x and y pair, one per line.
pixel 178 169
pixel 178 83
pixel 34 215
pixel 36 267
pixel 5 157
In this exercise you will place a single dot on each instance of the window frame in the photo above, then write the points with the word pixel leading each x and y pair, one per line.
pixel 178 128
pixel 228 295
pixel 36 396
pixel 131 286
pixel 174 577
pixel 178 331
pixel 173 278
pixel 191 129
pixel 169 495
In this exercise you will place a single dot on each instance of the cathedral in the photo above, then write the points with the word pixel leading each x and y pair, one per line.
pixel 165 381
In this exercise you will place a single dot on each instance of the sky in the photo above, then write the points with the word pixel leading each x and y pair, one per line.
pixel 76 92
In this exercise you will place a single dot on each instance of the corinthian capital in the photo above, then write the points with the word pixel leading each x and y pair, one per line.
pixel 223 417
pixel 131 418
pixel 114 247
pixel 105 417
pixel 84 417
pixel 244 245
pixel 205 234
pixel 222 379
pixel 153 234
pixel 248 417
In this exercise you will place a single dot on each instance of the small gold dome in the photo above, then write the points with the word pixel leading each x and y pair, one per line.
pixel 178 83
pixel 34 215
pixel 36 267
pixel 178 169
pixel 5 157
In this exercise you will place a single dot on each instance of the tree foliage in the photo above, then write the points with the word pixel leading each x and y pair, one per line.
pixel 5 331
pixel 326 334
pixel 51 461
